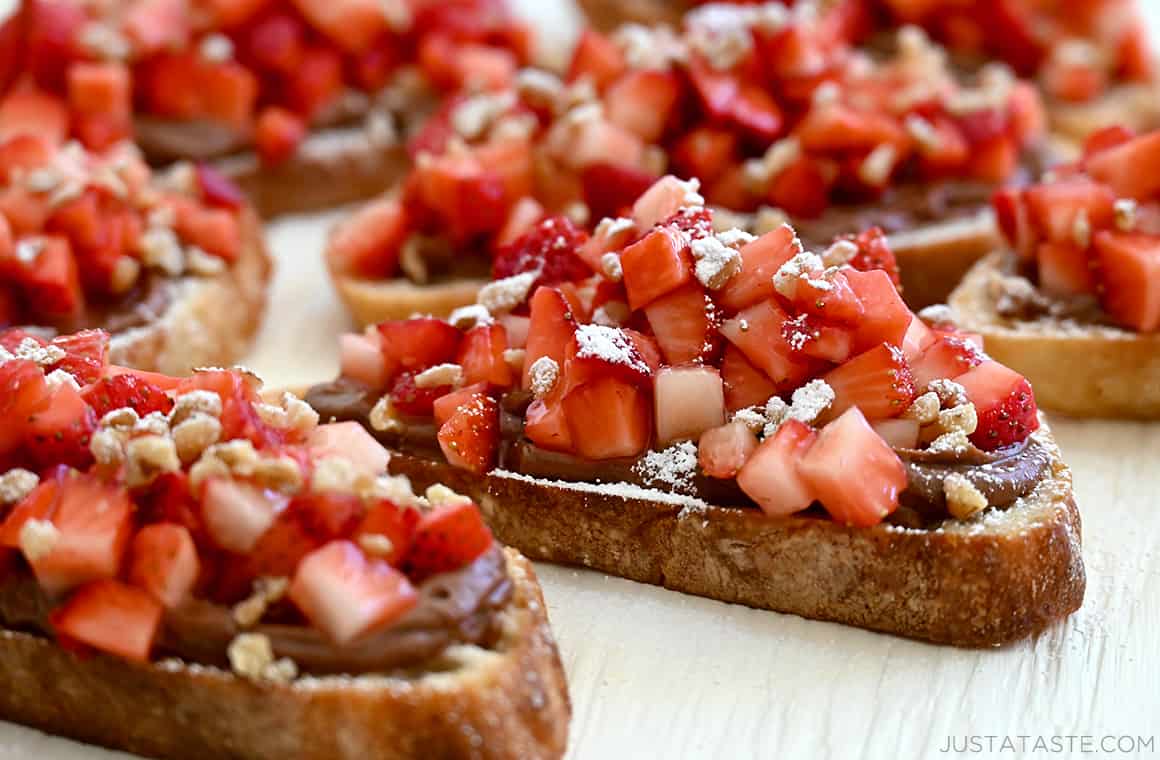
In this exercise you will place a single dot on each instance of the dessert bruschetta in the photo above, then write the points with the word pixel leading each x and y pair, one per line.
pixel 780 119
pixel 191 572
pixel 735 417
pixel 1092 60
pixel 304 103
pixel 1073 302
pixel 172 266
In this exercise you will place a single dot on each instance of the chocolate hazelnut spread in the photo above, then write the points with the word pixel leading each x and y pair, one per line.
pixel 455 607
pixel 1001 476
pixel 146 302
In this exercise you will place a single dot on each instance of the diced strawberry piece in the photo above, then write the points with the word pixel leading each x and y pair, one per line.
pixel 165 382
pixel 704 152
pixel 111 617
pixel 1014 220
pixel 447 538
pixel 849 448
pixel 275 43
pixel 447 404
pixel 236 514
pixel 611 188
pixel 665 197
pixel 86 354
pixel 829 297
pixel 25 393
pixel 453 66
pixel 168 500
pixel 897 432
pixel 524 215
pixel 550 331
pixel 481 356
pixel 551 247
pixel 1072 81
pixel 836 128
pixel 52 281
pixel 410 400
pixel 1065 269
pixel 216 231
pixel 418 343
pixel 396 524
pixel 153 26
pixel 1028 113
pixel 122 391
pixel 361 359
pixel 281 548
pixel 217 189
pixel 643 102
pixel 656 265
pixel 723 451
pixel 277 134
pixel 100 98
pixel 1130 268
pixel 756 113
pixel 352 24
pixel 239 418
pixel 874 252
pixel 1057 208
pixel 886 317
pixel 597 58
pixel 771 476
pixel 814 338
pixel 685 324
pixel 59 433
pixel 546 425
pixel 947 150
pixel 800 189
pixel 328 515
pixel 316 82
pixel 994 161
pixel 597 351
pixel 688 401
pixel 878 382
pixel 93 520
pixel 608 418
pixel 595 142
pixel 760 261
pixel 717 90
pixel 1111 136
pixel 947 358
pixel 352 442
pixel 469 439
pixel 745 385
pixel 346 596
pixel 757 331
pixel 24 153
pixel 29 111
pixel 1004 403
pixel 918 339
pixel 369 241
pixel 164 563
pixel 469 199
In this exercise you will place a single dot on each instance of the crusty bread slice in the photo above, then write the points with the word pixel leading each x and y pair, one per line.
pixel 1095 371
pixel 933 258
pixel 210 321
pixel 606 15
pixel 1132 105
pixel 371 301
pixel 509 702
pixel 1001 576
pixel 333 166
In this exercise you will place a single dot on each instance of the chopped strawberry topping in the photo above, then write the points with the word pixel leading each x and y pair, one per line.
pixel 1004 403
pixel 550 249
pixel 130 391
pixel 446 538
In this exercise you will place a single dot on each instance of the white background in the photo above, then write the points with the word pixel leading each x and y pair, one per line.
pixel 659 674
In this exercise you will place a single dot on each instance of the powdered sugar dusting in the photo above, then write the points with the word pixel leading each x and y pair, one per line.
pixel 609 344
pixel 626 491
pixel 673 468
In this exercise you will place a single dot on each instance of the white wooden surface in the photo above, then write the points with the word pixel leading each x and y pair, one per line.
pixel 659 674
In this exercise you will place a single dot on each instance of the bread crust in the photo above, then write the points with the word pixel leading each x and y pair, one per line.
pixel 1092 372
pixel 372 301
pixel 210 321
pixel 983 582
pixel 933 258
pixel 509 702
pixel 606 15
pixel 1135 105
pixel 332 167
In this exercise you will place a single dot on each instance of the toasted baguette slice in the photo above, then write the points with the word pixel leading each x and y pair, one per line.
pixel 933 258
pixel 1002 576
pixel 1098 371
pixel 372 301
pixel 210 321
pixel 509 701
pixel 332 167
pixel 606 15
pixel 1133 105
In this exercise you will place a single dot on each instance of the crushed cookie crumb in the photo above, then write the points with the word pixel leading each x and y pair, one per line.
pixel 440 495
pixel 950 393
pixel 147 457
pixel 924 409
pixel 964 499
pixel 466 317
pixel 16 484
pixel 383 417
pixel 544 373
pixel 194 434
pixel 266 591
pixel 610 266
pixel 440 375
pixel 38 538
pixel 376 545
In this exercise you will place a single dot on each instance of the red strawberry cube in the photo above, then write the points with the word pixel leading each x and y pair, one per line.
pixel 352 442
pixel 1060 209
pixel 1004 403
pixel 1130 268
pixel 481 356
pixel 447 404
pixel 608 418
pixel 469 438
pixel 704 152
pixel 1128 168
pixel 236 514
pixel 546 425
pixel 277 134
pixel 658 264
pixel 58 432
pixel 771 476
pixel 361 359
pixel 447 538
pixel 643 102
pixel 853 472
pixel 948 357
pixel 164 563
pixel 597 58
pixel 724 450
pixel 885 316
pixel 878 382
pixel 1065 269
pixel 396 524
pixel 745 385
pixel 685 325
pixel 419 343
pixel 757 331
pixel 760 261
pixel 369 242
pixel 346 596
pixel 111 617
pixel 688 401
pixel 667 196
